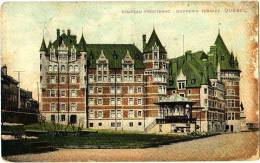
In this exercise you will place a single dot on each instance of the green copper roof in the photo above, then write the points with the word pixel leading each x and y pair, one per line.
pixel 43 46
pixel 223 56
pixel 82 44
pixel 152 41
pixel 114 53
pixel 193 67
pixel 199 67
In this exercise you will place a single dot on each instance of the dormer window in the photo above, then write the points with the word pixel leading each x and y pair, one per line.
pixel 73 57
pixel 70 68
pixel 155 54
pixel 181 84
pixel 62 68
pixel 52 57
pixel 50 68
pixel 55 68
pixel 76 68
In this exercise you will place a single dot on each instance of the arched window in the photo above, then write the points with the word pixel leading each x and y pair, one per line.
pixel 55 68
pixel 52 56
pixel 70 68
pixel 50 68
pixel 62 68
pixel 76 68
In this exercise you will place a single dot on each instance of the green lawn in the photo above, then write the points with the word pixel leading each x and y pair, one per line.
pixel 100 139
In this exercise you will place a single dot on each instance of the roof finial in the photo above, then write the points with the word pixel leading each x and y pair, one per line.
pixel 153 26
pixel 219 24
pixel 82 31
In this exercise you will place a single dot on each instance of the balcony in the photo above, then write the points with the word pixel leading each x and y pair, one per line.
pixel 175 119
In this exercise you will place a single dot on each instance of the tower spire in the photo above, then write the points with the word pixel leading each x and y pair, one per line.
pixel 219 24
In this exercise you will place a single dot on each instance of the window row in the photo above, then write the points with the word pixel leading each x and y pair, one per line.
pixel 63 68
pixel 63 107
pixel 215 116
pixel 101 67
pixel 116 101
pixel 118 90
pixel 53 79
pixel 63 93
pixel 63 56
pixel 113 124
pixel 111 78
pixel 232 116
pixel 115 113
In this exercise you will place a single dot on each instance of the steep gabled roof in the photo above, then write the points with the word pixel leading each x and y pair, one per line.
pixel 154 39
pixel 115 53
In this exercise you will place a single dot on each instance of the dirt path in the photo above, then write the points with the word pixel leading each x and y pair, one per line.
pixel 236 146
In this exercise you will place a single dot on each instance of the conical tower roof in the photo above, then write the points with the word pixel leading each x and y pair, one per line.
pixel 154 39
pixel 43 46
pixel 82 44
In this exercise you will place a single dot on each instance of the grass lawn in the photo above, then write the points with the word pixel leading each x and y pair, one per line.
pixel 100 139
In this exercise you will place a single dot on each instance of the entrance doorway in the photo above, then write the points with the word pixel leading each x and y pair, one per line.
pixel 231 128
pixel 73 119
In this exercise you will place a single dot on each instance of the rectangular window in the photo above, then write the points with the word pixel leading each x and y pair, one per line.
pixel 91 114
pixel 118 78
pixel 63 93
pixel 118 90
pixel 131 124
pixel 156 65
pixel 99 90
pixel 73 107
pixel 112 101
pixel 205 91
pixel 113 124
pixel 230 103
pixel 189 91
pixel 53 80
pixel 139 113
pixel 100 124
pixel 139 123
pixel 119 101
pixel 139 101
pixel 91 78
pixel 99 78
pixel 105 78
pixel 131 114
pixel 100 101
pixel 205 102
pixel 91 101
pixel 53 107
pixel 119 114
pixel 231 92
pixel 62 117
pixel 139 89
pixel 112 78
pixel 131 101
pixel 73 93
pixel 125 78
pixel 100 114
pixel 130 78
pixel 63 107
pixel 130 89
pixel 112 90
pixel 73 79
pixel 62 79
pixel 181 85
pixel 52 93
pixel 53 118
pixel 91 90
pixel 112 113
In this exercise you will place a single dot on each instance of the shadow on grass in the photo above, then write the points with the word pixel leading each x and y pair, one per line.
pixel 25 146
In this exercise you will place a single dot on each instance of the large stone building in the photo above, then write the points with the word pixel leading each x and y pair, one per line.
pixel 122 83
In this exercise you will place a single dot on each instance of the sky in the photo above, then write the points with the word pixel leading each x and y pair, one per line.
pixel 24 24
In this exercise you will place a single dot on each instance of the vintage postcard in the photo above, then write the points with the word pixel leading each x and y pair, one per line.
pixel 129 81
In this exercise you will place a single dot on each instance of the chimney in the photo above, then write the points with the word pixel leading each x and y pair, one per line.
pixel 144 42
pixel 58 33
pixel 68 32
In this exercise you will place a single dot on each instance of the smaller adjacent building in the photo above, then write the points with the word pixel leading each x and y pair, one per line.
pixel 10 112
pixel 175 116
